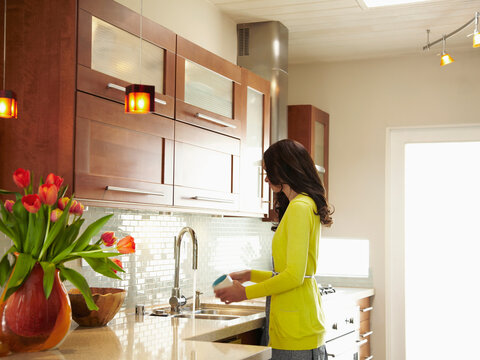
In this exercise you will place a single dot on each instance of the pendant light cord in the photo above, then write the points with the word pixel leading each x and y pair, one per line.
pixel 4 42
pixel 141 29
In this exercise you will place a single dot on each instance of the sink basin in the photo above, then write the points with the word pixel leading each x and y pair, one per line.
pixel 212 312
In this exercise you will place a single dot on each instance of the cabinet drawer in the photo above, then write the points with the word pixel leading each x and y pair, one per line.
pixel 117 159
pixel 206 169
pixel 109 53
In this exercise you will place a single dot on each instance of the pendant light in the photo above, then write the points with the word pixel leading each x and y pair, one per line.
pixel 446 58
pixel 8 99
pixel 139 98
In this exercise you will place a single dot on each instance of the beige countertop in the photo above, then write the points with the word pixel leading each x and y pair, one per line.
pixel 152 337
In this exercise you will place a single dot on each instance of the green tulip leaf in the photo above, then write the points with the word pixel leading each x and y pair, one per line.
pixel 99 254
pixel 115 266
pixel 59 224
pixel 23 266
pixel 5 267
pixel 103 266
pixel 90 232
pixel 48 277
pixel 81 284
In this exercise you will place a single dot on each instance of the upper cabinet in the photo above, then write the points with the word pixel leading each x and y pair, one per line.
pixel 254 192
pixel 310 126
pixel 111 56
pixel 208 90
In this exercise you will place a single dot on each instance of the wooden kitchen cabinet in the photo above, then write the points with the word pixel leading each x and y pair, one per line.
pixel 310 126
pixel 109 53
pixel 254 191
pixel 120 160
pixel 207 167
pixel 365 331
pixel 208 90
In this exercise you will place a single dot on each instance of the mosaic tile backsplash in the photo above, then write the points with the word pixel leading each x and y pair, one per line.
pixel 225 244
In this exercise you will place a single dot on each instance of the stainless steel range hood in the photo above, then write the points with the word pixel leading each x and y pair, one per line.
pixel 263 49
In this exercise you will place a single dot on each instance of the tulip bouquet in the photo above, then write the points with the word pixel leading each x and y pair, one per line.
pixel 45 228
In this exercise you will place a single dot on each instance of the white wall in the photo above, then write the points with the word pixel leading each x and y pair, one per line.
pixel 363 98
pixel 196 20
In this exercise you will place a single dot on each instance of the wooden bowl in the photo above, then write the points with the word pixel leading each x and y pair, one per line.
pixel 108 300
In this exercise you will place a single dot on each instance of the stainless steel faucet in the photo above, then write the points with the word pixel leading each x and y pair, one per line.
pixel 176 300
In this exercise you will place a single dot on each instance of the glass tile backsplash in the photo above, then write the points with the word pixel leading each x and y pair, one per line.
pixel 225 244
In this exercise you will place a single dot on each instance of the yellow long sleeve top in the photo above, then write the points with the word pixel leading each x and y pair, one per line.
pixel 297 320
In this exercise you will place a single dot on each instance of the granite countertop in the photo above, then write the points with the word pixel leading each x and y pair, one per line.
pixel 152 337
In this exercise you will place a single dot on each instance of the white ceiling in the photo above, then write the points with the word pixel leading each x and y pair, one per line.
pixel 337 30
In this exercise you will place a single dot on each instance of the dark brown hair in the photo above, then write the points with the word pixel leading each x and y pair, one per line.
pixel 288 162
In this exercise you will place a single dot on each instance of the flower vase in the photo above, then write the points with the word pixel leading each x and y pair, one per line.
pixel 29 321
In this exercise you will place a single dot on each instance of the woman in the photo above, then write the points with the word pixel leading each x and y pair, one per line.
pixel 295 319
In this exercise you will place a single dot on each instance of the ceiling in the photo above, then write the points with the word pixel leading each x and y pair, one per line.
pixel 339 30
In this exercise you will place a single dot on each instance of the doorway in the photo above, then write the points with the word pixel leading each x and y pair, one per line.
pixel 433 242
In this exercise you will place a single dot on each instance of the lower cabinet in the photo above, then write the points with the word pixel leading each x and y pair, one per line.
pixel 121 157
pixel 207 166
pixel 365 330
pixel 252 337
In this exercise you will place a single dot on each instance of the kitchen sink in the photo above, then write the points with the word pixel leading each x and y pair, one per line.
pixel 212 312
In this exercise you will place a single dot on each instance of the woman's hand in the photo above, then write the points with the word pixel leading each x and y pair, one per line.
pixel 233 293
pixel 241 276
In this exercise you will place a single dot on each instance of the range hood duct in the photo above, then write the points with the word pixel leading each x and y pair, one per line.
pixel 263 49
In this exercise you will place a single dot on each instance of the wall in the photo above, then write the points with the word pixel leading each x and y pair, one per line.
pixel 196 20
pixel 363 99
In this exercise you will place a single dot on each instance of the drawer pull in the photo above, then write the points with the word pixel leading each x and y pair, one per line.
pixel 130 190
pixel 369 357
pixel 362 342
pixel 121 88
pixel 216 121
pixel 367 309
pixel 204 198
pixel 366 334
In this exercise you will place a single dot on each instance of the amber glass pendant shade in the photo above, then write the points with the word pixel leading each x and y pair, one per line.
pixel 8 104
pixel 476 39
pixel 139 99
pixel 446 59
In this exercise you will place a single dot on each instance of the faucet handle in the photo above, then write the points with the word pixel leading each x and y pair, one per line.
pixel 197 299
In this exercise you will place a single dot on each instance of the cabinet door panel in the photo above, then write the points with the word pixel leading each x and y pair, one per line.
pixel 118 159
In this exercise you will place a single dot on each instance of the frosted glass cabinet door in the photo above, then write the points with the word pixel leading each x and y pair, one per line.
pixel 253 189
pixel 208 90
pixel 110 55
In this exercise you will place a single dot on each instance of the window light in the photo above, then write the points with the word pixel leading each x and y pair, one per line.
pixel 378 3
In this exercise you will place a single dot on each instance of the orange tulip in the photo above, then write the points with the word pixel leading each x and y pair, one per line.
pixel 126 245
pixel 48 193
pixel 55 215
pixel 21 178
pixel 118 262
pixel 55 180
pixel 32 203
pixel 62 203
pixel 108 238
pixel 9 205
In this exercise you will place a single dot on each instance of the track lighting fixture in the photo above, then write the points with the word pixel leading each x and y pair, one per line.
pixel 445 57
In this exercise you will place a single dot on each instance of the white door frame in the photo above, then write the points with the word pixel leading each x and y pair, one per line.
pixel 395 220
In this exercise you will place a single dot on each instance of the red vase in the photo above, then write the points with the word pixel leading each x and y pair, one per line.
pixel 30 322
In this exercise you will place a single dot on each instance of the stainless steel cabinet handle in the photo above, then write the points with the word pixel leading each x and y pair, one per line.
pixel 121 88
pixel 367 309
pixel 367 334
pixel 130 190
pixel 362 342
pixel 369 357
pixel 204 198
pixel 216 121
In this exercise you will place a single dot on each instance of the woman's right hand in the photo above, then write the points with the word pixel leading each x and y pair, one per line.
pixel 241 276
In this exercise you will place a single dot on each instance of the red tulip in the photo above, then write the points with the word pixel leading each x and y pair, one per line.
pixel 48 193
pixel 55 215
pixel 76 208
pixel 118 262
pixel 32 203
pixel 109 238
pixel 9 205
pixel 126 245
pixel 55 180
pixel 21 178
pixel 62 203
